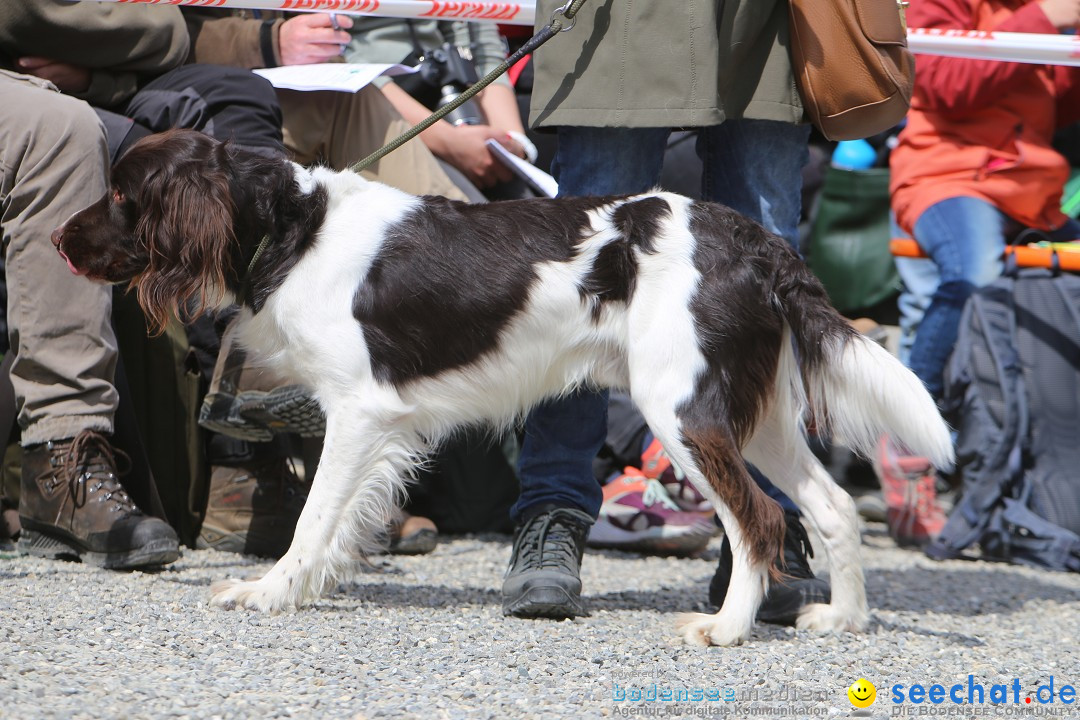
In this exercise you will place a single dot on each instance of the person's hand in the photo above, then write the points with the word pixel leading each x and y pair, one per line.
pixel 311 38
pixel 1064 14
pixel 468 152
pixel 512 145
pixel 65 76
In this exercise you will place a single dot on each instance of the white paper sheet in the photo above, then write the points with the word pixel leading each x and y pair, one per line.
pixel 343 77
pixel 539 180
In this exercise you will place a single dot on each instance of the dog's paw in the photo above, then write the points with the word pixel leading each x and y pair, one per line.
pixel 824 618
pixel 256 595
pixel 703 630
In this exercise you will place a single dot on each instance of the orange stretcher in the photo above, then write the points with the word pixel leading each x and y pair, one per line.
pixel 1068 254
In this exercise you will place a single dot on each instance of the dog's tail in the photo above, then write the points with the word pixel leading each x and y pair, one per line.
pixel 851 385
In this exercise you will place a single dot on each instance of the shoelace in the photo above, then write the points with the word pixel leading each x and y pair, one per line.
pixel 550 536
pixel 90 457
pixel 797 534
pixel 654 493
pixel 922 496
pixel 797 541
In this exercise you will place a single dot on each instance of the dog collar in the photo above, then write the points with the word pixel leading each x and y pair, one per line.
pixel 251 266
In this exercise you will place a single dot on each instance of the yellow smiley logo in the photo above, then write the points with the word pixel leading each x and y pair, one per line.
pixel 862 693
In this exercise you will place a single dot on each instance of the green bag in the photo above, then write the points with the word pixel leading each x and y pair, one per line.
pixel 849 239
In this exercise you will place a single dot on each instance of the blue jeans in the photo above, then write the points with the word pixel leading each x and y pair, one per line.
pixel 563 436
pixel 965 238
pixel 919 278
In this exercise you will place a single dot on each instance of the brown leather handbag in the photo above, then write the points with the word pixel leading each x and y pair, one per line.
pixel 852 65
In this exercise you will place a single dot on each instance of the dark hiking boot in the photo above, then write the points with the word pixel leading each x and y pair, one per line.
pixel 72 505
pixel 544 577
pixel 788 596
pixel 253 508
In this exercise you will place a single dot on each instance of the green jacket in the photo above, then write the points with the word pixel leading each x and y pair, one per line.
pixel 665 63
pixel 124 46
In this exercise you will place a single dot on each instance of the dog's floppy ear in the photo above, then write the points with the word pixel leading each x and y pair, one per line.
pixel 186 221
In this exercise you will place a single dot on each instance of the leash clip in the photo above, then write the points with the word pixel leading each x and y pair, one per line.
pixel 562 11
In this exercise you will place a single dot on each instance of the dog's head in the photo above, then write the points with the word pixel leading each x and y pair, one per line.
pixel 166 226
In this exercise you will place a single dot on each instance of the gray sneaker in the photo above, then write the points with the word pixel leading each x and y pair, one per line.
pixel 247 402
pixel 544 577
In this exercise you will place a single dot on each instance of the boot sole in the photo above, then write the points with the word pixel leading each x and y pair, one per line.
pixel 213 539
pixel 547 602
pixel 420 542
pixel 256 416
pixel 665 540
pixel 155 553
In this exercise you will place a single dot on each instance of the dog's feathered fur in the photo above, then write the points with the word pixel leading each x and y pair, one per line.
pixel 411 316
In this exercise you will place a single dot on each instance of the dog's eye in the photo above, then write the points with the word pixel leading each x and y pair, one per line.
pixel 118 197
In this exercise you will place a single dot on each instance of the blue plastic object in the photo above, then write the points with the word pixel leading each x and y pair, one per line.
pixel 854 155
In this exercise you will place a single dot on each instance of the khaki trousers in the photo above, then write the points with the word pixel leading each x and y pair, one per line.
pixel 53 162
pixel 338 129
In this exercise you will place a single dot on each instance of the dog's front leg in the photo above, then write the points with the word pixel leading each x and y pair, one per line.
pixel 366 453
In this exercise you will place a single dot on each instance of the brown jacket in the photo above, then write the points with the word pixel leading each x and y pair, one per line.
pixel 234 37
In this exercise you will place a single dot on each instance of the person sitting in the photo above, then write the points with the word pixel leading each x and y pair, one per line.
pixel 318 126
pixel 322 126
pixel 454 54
pixel 73 501
pixel 974 166
pixel 129 63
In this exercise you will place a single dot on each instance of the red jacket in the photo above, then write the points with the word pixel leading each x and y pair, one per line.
pixel 983 128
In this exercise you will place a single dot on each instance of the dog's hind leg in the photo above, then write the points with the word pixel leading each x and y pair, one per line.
pixel 778 448
pixel 706 451
pixel 368 449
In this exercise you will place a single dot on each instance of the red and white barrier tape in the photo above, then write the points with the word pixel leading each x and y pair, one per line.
pixel 1014 47
pixel 510 13
pixel 983 45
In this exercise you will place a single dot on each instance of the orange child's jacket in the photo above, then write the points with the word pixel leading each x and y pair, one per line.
pixel 983 128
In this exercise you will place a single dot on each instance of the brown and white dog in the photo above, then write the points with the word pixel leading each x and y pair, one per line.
pixel 408 317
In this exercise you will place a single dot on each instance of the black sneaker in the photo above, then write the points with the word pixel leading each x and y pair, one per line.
pixel 544 577
pixel 788 596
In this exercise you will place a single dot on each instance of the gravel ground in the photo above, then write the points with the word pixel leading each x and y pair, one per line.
pixel 424 637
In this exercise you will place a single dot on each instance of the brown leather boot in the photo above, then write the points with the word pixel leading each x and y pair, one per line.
pixel 72 505
pixel 252 508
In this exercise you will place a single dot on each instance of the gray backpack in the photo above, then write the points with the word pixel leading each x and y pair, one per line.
pixel 1012 391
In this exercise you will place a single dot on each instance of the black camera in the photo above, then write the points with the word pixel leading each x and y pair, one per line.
pixel 450 70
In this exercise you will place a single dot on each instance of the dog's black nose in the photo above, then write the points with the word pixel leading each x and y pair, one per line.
pixel 57 237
